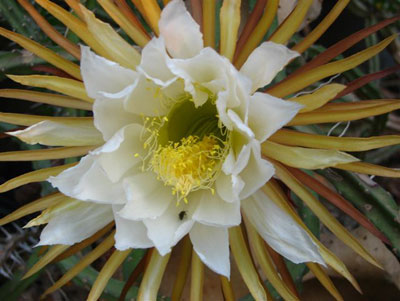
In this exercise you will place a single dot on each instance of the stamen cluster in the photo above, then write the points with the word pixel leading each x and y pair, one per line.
pixel 188 165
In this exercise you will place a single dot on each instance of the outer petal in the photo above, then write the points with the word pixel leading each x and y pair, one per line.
pixel 129 234
pixel 279 230
pixel 181 33
pixel 257 172
pixel 60 134
pixel 267 114
pixel 166 230
pixel 117 48
pixel 265 62
pixel 308 158
pixel 88 182
pixel 212 246
pixel 103 76
pixel 214 211
pixel 76 224
pixel 148 198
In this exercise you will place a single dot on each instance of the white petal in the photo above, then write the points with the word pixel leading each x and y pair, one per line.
pixel 239 124
pixel 88 182
pixel 279 230
pixel 229 187
pixel 265 62
pixel 147 98
pixel 209 74
pixel 104 108
pixel 148 198
pixel 234 95
pixel 267 114
pixel 154 62
pixel 117 156
pixel 60 134
pixel 214 211
pixel 116 47
pixel 181 33
pixel 238 155
pixel 166 230
pixel 242 159
pixel 76 224
pixel 257 172
pixel 205 70
pixel 129 234
pixel 101 75
pixel 212 246
pixel 229 162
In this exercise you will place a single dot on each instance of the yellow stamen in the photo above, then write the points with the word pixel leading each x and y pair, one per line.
pixel 188 165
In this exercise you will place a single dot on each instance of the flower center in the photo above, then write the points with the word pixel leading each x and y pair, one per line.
pixel 188 165
pixel 188 148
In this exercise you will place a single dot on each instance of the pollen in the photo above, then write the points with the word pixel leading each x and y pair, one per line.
pixel 188 165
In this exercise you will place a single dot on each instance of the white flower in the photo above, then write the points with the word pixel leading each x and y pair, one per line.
pixel 182 149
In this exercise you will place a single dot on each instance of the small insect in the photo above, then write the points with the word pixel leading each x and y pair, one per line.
pixel 182 215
